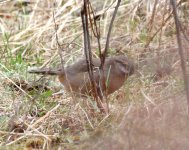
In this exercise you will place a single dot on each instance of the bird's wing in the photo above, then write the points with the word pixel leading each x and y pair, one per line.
pixel 81 65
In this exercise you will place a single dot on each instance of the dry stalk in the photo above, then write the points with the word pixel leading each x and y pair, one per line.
pixel 87 117
pixel 25 133
pixel 45 116
pixel 2 74
pixel 159 29
pixel 147 97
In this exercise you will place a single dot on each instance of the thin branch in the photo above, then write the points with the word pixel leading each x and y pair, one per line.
pixel 96 30
pixel 88 53
pixel 103 55
pixel 57 41
pixel 96 33
pixel 179 41
pixel 152 18
pixel 109 33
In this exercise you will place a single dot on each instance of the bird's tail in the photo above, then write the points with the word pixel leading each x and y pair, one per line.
pixel 47 71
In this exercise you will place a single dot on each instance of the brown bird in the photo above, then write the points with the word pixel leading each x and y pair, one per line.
pixel 75 77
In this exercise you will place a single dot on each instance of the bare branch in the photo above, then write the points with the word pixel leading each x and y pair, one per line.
pixel 57 41
pixel 88 53
pixel 109 33
pixel 153 15
pixel 96 30
pixel 179 41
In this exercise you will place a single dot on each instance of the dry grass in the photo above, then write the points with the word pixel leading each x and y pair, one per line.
pixel 149 112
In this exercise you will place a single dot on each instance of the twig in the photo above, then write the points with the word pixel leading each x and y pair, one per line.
pixel 87 50
pixel 96 30
pixel 25 133
pixel 45 116
pixel 124 119
pixel 87 117
pixel 18 139
pixel 35 130
pixel 101 81
pixel 2 74
pixel 152 18
pixel 103 55
pixel 109 33
pixel 159 29
pixel 179 41
pixel 147 97
pixel 57 41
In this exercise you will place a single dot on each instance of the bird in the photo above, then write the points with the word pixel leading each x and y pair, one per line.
pixel 75 77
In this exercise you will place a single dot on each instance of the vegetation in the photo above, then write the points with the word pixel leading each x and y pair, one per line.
pixel 149 112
